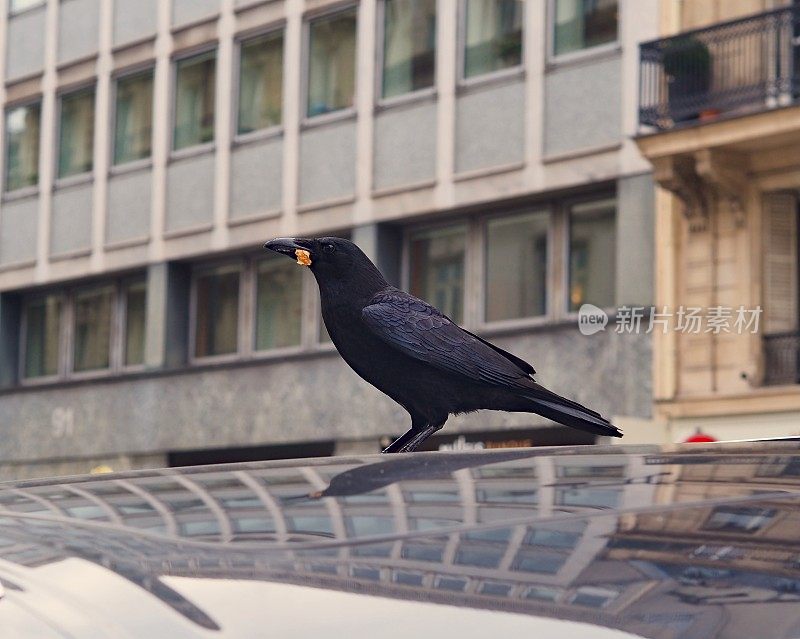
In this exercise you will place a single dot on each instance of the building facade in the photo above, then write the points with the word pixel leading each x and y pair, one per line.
pixel 479 151
pixel 720 123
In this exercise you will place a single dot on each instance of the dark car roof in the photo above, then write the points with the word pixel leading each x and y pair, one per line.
pixel 692 541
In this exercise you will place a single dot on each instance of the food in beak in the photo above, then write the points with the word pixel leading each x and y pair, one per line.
pixel 303 257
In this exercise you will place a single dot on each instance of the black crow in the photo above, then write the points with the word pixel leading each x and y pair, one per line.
pixel 417 355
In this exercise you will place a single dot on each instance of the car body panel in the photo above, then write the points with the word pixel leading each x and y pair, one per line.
pixel 664 542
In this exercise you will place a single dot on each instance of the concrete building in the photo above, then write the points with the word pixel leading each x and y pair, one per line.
pixel 479 151
pixel 721 124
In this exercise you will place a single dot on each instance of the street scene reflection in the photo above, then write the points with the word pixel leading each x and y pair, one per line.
pixel 658 544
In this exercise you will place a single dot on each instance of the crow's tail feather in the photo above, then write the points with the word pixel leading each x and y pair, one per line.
pixel 565 411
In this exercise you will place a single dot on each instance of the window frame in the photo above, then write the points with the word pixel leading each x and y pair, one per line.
pixel 175 59
pixel 239 40
pixel 581 54
pixel 462 81
pixel 307 121
pixel 66 335
pixel 566 208
pixel 23 339
pixel 122 321
pixel 223 267
pixel 304 294
pixel 141 163
pixel 39 5
pixel 86 176
pixel 557 304
pixel 31 189
pixel 380 42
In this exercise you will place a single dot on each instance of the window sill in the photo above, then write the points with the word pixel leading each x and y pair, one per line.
pixel 15 266
pixel 479 82
pixel 124 244
pixel 584 56
pixel 130 167
pixel 326 204
pixel 177 30
pixel 37 7
pixel 243 139
pixel 403 188
pixel 73 180
pixel 488 171
pixel 207 148
pixel 20 194
pixel 428 94
pixel 328 118
pixel 70 255
pixel 257 217
pixel 192 230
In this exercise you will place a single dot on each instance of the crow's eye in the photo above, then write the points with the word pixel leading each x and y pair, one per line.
pixel 328 248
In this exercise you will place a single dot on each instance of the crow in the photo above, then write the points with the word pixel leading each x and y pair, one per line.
pixel 415 354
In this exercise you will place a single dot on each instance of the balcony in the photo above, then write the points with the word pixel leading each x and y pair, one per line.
pixel 732 68
pixel 782 358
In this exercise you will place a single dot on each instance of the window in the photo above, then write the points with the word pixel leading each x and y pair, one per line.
pixel 92 329
pixel 581 24
pixel 194 100
pixel 745 519
pixel 592 252
pixel 493 36
pixel 76 133
pixel 16 6
pixel 279 296
pixel 42 329
pixel 409 46
pixel 516 266
pixel 436 260
pixel 135 322
pixel 22 146
pixel 217 312
pixel 332 63
pixel 133 118
pixel 260 83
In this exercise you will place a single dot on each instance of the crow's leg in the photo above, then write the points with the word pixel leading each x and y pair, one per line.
pixel 419 425
pixel 421 436
pixel 398 445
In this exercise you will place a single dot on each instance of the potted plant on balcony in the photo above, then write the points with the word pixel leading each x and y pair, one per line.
pixel 687 65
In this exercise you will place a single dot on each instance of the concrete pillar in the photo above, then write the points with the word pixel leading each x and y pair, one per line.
pixel 167 336
pixel 9 339
pixel 383 244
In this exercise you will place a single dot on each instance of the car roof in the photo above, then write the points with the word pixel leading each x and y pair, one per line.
pixel 675 541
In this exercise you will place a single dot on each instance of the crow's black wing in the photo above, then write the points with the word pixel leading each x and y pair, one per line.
pixel 417 329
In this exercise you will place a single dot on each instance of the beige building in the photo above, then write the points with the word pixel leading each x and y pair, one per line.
pixel 721 126
pixel 480 151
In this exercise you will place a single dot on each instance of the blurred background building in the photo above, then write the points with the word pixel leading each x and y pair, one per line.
pixel 480 151
pixel 721 125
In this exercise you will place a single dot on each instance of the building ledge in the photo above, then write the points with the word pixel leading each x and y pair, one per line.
pixel 765 399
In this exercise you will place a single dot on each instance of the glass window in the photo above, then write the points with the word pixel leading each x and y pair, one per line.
pixel 260 83
pixel 22 146
pixel 76 133
pixel 332 63
pixel 516 266
pixel 133 119
pixel 42 330
pixel 135 309
pixel 493 38
pixel 217 312
pixel 745 519
pixel 581 24
pixel 592 254
pixel 194 100
pixel 92 343
pixel 409 46
pixel 15 6
pixel 278 304
pixel 437 269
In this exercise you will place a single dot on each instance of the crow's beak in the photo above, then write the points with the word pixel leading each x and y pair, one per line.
pixel 296 248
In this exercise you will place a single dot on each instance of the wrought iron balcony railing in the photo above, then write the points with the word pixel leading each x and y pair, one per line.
pixel 782 358
pixel 742 66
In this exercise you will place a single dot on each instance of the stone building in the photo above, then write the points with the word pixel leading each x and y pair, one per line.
pixel 480 151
